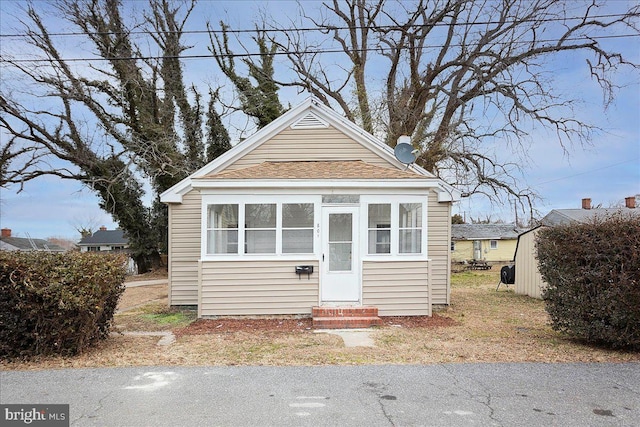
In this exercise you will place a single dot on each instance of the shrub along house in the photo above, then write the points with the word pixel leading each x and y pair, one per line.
pixel 310 211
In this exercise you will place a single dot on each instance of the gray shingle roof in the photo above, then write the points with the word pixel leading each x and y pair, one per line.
pixel 105 237
pixel 26 244
pixel 485 231
pixel 565 216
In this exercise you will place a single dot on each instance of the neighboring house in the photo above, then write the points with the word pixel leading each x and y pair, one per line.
pixel 26 244
pixel 104 240
pixel 528 279
pixel 309 211
pixel 487 242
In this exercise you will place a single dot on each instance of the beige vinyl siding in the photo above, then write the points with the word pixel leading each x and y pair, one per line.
pixel 439 248
pixel 397 288
pixel 528 279
pixel 235 288
pixel 184 250
pixel 309 145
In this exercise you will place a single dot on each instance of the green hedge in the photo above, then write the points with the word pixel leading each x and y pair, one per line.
pixel 592 272
pixel 57 303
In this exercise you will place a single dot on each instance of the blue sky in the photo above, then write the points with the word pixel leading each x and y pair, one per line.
pixel 607 172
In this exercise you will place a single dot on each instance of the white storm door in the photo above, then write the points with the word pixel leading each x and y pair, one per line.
pixel 340 280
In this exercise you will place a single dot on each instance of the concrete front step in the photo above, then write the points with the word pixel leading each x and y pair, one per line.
pixel 345 317
pixel 345 322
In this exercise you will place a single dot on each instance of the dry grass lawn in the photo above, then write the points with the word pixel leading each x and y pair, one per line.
pixel 489 326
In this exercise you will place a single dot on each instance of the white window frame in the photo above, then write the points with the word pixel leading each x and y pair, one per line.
pixel 493 245
pixel 395 201
pixel 242 201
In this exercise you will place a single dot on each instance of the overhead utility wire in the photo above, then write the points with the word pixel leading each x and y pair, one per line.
pixel 301 52
pixel 322 29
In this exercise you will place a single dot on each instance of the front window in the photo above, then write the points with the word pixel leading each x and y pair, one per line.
pixel 222 229
pixel 493 244
pixel 297 228
pixel 380 228
pixel 395 228
pixel 260 228
pixel 410 227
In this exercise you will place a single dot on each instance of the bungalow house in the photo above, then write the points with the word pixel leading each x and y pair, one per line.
pixel 487 242
pixel 528 279
pixel 104 240
pixel 26 244
pixel 310 211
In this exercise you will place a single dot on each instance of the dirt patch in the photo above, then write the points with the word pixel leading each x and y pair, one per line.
pixel 435 321
pixel 152 275
pixel 137 296
pixel 225 325
pixel 230 325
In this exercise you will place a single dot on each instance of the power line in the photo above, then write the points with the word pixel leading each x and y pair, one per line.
pixel 584 173
pixel 298 52
pixel 325 28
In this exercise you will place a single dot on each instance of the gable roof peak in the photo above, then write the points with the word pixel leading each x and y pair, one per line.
pixel 308 114
pixel 310 121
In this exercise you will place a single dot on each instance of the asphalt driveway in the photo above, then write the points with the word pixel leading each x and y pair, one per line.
pixel 408 395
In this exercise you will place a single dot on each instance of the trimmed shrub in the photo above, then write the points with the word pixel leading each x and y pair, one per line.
pixel 57 303
pixel 592 271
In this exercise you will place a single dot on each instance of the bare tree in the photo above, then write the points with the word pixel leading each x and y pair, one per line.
pixel 258 91
pixel 115 122
pixel 461 73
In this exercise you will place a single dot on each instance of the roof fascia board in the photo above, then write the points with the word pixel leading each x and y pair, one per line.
pixel 320 183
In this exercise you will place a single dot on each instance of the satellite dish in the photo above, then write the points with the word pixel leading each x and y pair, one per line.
pixel 405 153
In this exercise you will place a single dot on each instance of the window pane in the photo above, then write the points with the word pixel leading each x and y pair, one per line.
pixel 260 216
pixel 379 241
pixel 260 241
pixel 379 220
pixel 297 215
pixel 297 241
pixel 339 256
pixel 410 215
pixel 340 227
pixel 222 242
pixel 340 198
pixel 223 216
pixel 410 241
pixel 379 214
